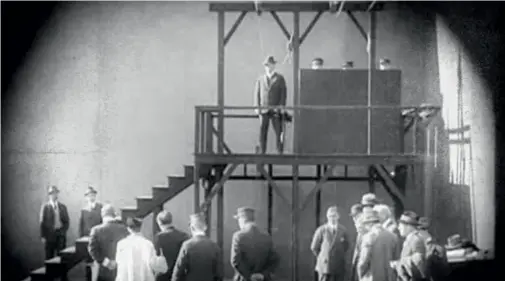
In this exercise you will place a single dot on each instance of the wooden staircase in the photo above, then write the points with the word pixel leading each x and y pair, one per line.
pixel 71 256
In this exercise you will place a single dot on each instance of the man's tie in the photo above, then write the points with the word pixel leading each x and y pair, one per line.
pixel 57 221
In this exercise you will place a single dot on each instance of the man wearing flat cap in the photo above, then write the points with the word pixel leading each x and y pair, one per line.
pixel 90 216
pixel 253 256
pixel 199 258
pixel 412 263
pixel 378 248
pixel 330 244
pixel 168 242
pixel 103 243
pixel 270 90
pixel 54 223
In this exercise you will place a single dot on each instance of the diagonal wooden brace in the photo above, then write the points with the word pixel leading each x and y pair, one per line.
pixel 390 185
pixel 234 27
pixel 318 186
pixel 358 25
pixel 281 25
pixel 221 141
pixel 310 26
pixel 273 184
pixel 217 187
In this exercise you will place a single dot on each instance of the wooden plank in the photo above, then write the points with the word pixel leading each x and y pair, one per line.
pixel 218 186
pixel 292 6
pixel 358 25
pixel 196 187
pixel 236 24
pixel 300 178
pixel 220 215
pixel 281 25
pixel 220 78
pixel 270 202
pixel 315 159
pixel 294 223
pixel 296 72
pixel 318 186
pixel 310 27
pixel 390 184
pixel 371 66
pixel 273 184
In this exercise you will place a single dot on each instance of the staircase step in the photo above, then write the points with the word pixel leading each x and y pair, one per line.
pixel 189 171
pixel 69 255
pixel 178 182
pixel 81 246
pixel 127 212
pixel 54 266
pixel 39 274
pixel 145 205
pixel 160 192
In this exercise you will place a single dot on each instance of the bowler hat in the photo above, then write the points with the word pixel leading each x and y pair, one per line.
pixel 370 217
pixel 52 189
pixel 164 217
pixel 356 209
pixel 90 190
pixel 269 60
pixel 454 242
pixel 424 222
pixel 409 217
pixel 245 212
pixel 369 199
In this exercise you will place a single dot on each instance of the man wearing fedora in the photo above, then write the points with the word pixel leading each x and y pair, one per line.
pixel 378 248
pixel 412 263
pixel 90 216
pixel 103 243
pixel 54 223
pixel 330 244
pixel 199 258
pixel 253 256
pixel 368 201
pixel 270 90
pixel 168 242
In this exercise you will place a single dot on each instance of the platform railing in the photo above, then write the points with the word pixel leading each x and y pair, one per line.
pixel 242 128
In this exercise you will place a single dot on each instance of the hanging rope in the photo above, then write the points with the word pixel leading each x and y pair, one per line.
pixel 333 7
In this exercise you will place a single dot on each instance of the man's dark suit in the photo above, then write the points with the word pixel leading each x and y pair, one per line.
pixel 252 252
pixel 89 218
pixel 170 242
pixel 270 92
pixel 199 260
pixel 103 243
pixel 56 239
pixel 330 248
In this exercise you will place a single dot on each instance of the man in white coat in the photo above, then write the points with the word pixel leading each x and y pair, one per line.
pixel 135 255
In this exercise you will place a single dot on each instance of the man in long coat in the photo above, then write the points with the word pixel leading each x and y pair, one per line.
pixel 412 263
pixel 330 244
pixel 378 248
pixel 253 256
pixel 54 224
pixel 103 243
pixel 357 217
pixel 199 258
pixel 135 255
pixel 91 215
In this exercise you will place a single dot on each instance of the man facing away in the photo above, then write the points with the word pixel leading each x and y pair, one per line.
pixel 378 248
pixel 411 265
pixel 356 215
pixel 103 243
pixel 135 255
pixel 386 218
pixel 253 256
pixel 270 90
pixel 168 242
pixel 330 244
pixel 368 201
pixel 54 223
pixel 199 258
pixel 90 216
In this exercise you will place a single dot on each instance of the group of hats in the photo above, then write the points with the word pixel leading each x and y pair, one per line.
pixel 54 189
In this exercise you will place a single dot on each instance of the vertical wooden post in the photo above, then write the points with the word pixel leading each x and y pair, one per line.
pixel 220 212
pixel 220 125
pixel 196 174
pixel 296 74
pixel 208 213
pixel 270 201
pixel 371 180
pixel 428 174
pixel 294 224
pixel 371 67
pixel 318 207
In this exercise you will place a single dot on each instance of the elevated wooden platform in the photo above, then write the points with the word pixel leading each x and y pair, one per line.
pixel 301 159
pixel 294 6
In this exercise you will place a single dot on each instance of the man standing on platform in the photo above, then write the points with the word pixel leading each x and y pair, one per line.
pixel 317 63
pixel 103 243
pixel 54 223
pixel 90 216
pixel 252 252
pixel 330 244
pixel 168 242
pixel 199 258
pixel 270 90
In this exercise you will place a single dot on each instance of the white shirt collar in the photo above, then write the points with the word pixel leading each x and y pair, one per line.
pixel 53 203
pixel 108 219
pixel 199 233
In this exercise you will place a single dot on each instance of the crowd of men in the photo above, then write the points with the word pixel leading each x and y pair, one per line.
pixel 385 249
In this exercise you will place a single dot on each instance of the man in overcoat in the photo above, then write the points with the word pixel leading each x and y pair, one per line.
pixel 91 215
pixel 253 256
pixel 330 244
pixel 199 258
pixel 54 223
